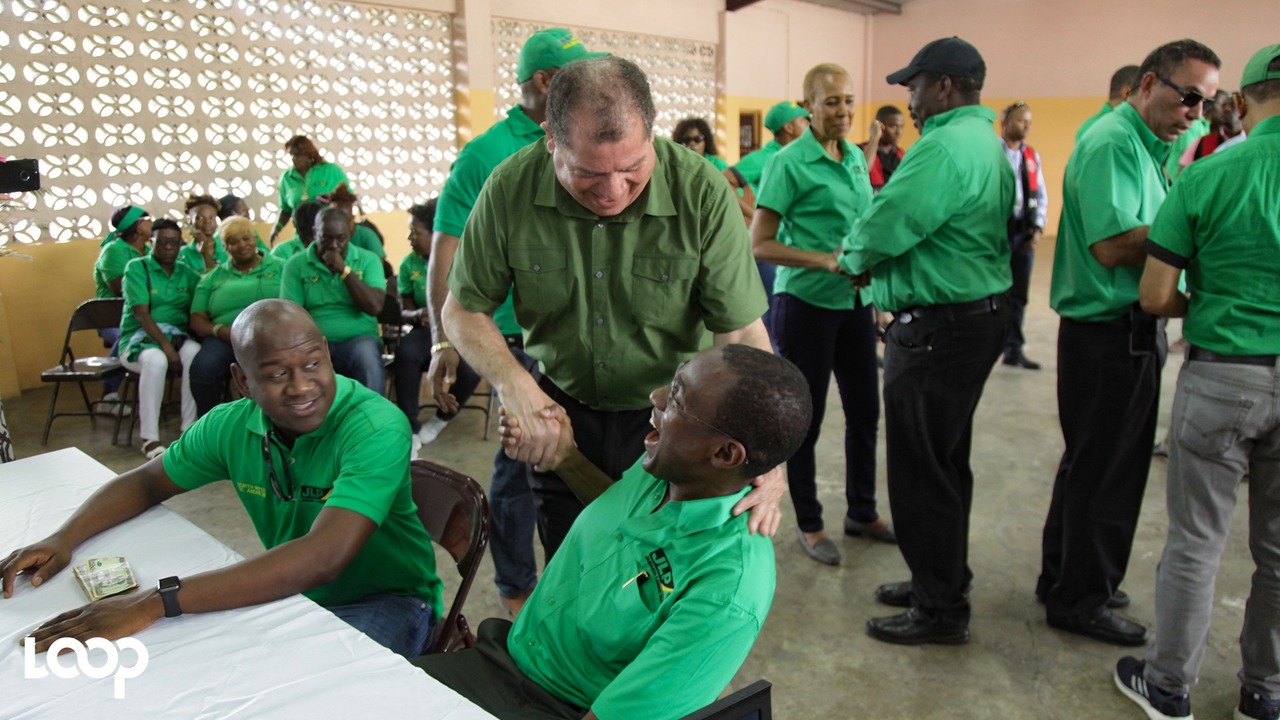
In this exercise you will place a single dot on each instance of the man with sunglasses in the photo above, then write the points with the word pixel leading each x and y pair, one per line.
pixel 659 591
pixel 1109 351
pixel 321 466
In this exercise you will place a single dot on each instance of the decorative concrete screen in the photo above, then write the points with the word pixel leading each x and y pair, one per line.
pixel 682 73
pixel 143 101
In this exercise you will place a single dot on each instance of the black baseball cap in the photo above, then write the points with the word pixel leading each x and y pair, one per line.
pixel 945 56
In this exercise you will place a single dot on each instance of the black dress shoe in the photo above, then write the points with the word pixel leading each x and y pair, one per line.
pixel 913 627
pixel 899 594
pixel 1118 601
pixel 1021 361
pixel 1105 626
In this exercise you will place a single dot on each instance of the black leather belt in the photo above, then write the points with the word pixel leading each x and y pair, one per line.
pixel 950 311
pixel 1202 355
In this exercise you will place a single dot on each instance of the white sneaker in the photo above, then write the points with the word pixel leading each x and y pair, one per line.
pixel 417 446
pixel 431 430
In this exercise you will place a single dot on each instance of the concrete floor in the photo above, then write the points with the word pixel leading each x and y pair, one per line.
pixel 813 647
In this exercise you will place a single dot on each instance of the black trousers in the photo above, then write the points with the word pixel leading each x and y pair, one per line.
pixel 935 369
pixel 1108 390
pixel 611 439
pixel 1021 260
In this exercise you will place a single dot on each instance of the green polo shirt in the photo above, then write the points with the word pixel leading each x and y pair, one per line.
pixel 646 613
pixel 1222 224
pixel 1084 127
pixel 357 460
pixel 1113 183
pixel 225 291
pixel 112 259
pixel 288 248
pixel 322 292
pixel 412 278
pixel 751 167
pixel 937 233
pixel 366 239
pixel 169 297
pixel 611 305
pixel 190 256
pixel 819 200
pixel 320 179
pixel 475 163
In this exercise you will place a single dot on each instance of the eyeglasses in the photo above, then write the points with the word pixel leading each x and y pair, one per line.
pixel 675 405
pixel 271 470
pixel 1190 98
pixel 691 139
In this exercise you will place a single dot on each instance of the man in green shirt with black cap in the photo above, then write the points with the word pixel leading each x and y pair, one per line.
pixel 1109 351
pixel 934 246
pixel 1221 226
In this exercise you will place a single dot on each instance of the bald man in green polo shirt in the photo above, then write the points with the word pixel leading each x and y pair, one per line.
pixel 1221 226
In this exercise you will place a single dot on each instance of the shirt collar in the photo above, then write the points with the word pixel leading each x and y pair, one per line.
pixel 522 125
pixel 655 199
pixel 961 113
pixel 259 423
pixel 1158 148
pixel 810 149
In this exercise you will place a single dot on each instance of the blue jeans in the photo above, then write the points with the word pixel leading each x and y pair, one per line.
pixel 512 514
pixel 210 372
pixel 111 338
pixel 360 359
pixel 404 625
pixel 413 357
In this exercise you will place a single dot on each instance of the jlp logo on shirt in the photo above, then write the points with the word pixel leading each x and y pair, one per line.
pixel 660 569
pixel 314 494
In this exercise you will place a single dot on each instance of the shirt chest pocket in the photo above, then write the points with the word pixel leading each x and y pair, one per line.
pixel 661 286
pixel 541 277
pixel 624 619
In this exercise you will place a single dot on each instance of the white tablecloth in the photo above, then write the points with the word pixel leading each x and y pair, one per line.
pixel 289 658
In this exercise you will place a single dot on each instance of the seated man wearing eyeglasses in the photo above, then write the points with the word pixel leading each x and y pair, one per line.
pixel 659 591
pixel 321 465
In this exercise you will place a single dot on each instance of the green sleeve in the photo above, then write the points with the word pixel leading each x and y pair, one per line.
pixel 403 283
pixel 481 274
pixel 291 280
pixel 370 267
pixel 373 464
pixel 777 186
pixel 1108 190
pixel 692 657
pixel 135 285
pixel 114 259
pixel 922 197
pixel 196 458
pixel 1174 227
pixel 460 193
pixel 200 300
pixel 717 162
pixel 729 288
pixel 287 190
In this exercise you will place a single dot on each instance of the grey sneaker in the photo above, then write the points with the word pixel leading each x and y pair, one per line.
pixel 1256 706
pixel 1155 701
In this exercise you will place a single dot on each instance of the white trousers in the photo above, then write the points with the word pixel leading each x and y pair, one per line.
pixel 152 368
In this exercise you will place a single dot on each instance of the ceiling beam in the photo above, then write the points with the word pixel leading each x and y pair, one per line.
pixel 732 5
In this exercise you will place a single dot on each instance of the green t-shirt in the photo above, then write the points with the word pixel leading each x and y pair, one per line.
pixel 169 298
pixel 357 460
pixel 366 239
pixel 819 200
pixel 412 278
pixel 112 259
pixel 225 291
pixel 320 179
pixel 1221 224
pixel 1113 183
pixel 475 163
pixel 751 167
pixel 1088 123
pixel 611 305
pixel 938 233
pixel 597 633
pixel 288 248
pixel 190 256
pixel 324 294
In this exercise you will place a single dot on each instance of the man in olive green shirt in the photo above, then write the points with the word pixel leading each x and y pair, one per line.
pixel 1221 225
pixel 321 466
pixel 1123 81
pixel 1109 351
pixel 934 245
pixel 628 256
pixel 659 591
pixel 343 287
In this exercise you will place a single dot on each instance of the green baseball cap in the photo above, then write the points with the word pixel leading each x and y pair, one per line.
pixel 550 48
pixel 781 114
pixel 1255 71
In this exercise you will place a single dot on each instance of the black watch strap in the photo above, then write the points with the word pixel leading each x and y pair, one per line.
pixel 168 588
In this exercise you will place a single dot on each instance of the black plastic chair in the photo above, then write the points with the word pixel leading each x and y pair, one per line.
pixel 455 512
pixel 753 702
pixel 96 314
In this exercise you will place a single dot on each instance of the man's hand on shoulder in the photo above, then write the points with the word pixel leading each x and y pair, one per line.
pixel 112 618
pixel 763 502
pixel 43 559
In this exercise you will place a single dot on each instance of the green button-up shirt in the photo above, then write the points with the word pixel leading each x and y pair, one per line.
pixel 320 179
pixel 1113 183
pixel 475 163
pixel 225 291
pixel 611 305
pixel 644 613
pixel 323 293
pixel 1088 123
pixel 112 259
pixel 1222 223
pixel 357 460
pixel 751 167
pixel 819 200
pixel 938 232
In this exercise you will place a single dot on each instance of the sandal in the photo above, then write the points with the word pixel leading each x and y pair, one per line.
pixel 152 449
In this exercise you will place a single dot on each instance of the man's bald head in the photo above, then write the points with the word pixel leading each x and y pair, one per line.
pixel 282 364
pixel 265 320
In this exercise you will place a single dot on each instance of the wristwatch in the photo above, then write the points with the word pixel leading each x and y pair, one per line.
pixel 168 588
